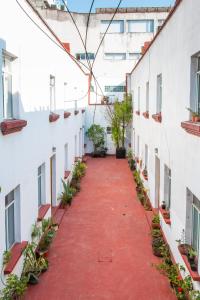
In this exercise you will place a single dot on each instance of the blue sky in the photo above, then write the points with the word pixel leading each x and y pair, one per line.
pixel 84 5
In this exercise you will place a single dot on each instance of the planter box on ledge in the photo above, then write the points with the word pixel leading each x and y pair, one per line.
pixel 83 110
pixel 53 117
pixel 165 214
pixel 66 114
pixel 157 117
pixel 195 275
pixel 191 127
pixel 76 112
pixel 11 126
pixel 146 115
pixel 137 112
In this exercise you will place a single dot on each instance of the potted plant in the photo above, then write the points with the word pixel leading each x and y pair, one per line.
pixel 120 116
pixel 96 135
pixel 15 287
pixel 163 205
pixel 182 245
pixel 67 194
pixel 157 244
pixel 191 256
pixel 155 224
pixel 195 115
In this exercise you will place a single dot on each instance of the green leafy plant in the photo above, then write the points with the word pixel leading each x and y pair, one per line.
pixel 46 223
pixel 156 219
pixel 6 257
pixel 67 194
pixel 36 231
pixel 194 295
pixel 96 135
pixel 15 287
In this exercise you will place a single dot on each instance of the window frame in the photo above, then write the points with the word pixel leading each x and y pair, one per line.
pixel 41 186
pixel 147 96
pixel 7 72
pixel 52 88
pixel 122 26
pixel 159 93
pixel 149 25
pixel 167 187
pixel 197 104
pixel 7 209
pixel 115 88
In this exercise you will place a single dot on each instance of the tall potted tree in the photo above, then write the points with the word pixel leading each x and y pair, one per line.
pixel 120 116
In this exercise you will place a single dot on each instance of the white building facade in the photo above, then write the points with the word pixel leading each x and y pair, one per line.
pixel 120 50
pixel 166 141
pixel 42 127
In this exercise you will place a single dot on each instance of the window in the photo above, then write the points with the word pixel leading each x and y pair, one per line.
pixel 159 94
pixel 134 55
pixel 138 146
pixel 147 96
pixel 109 130
pixel 41 185
pixel 7 85
pixel 10 219
pixel 138 98
pixel 84 56
pixel 140 26
pixel 167 187
pixel 117 26
pixel 195 223
pixel 146 157
pixel 66 157
pixel 52 93
pixel 117 89
pixel 197 108
pixel 115 56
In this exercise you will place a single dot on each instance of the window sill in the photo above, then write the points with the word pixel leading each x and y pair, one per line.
pixel 76 112
pixel 191 127
pixel 12 126
pixel 53 117
pixel 66 175
pixel 83 110
pixel 195 275
pixel 165 215
pixel 137 112
pixel 16 253
pixel 157 117
pixel 146 115
pixel 66 114
pixel 42 211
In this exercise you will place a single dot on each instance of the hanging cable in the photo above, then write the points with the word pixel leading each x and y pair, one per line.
pixel 88 22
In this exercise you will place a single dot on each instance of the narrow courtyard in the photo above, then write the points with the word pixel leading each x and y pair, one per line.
pixel 102 250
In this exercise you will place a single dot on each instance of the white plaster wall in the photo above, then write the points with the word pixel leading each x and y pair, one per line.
pixel 170 55
pixel 22 153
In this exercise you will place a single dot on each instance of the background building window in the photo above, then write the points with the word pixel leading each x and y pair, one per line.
pixel 115 56
pixel 52 93
pixel 84 56
pixel 41 185
pixel 134 55
pixel 159 94
pixel 7 86
pixel 147 96
pixel 117 26
pixel 135 26
pixel 116 88
pixel 167 187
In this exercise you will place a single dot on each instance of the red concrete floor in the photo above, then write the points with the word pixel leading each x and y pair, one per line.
pixel 102 250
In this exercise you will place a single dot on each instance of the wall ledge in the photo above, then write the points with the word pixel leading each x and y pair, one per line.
pixel 16 253
pixel 53 117
pixel 9 126
pixel 157 117
pixel 191 127
pixel 66 114
pixel 42 211
pixel 146 115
